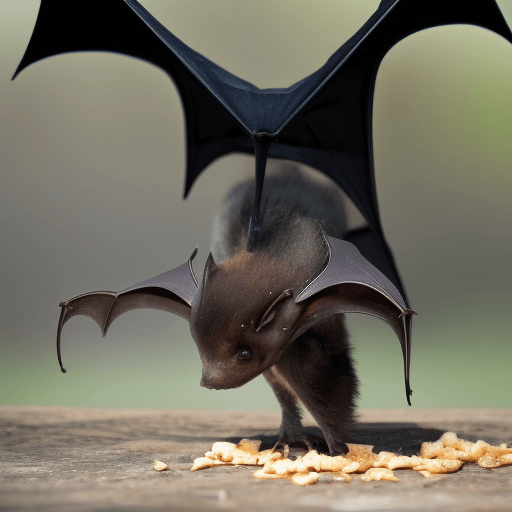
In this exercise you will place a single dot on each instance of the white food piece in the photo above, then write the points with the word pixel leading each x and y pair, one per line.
pixel 160 465
pixel 379 474
pixel 305 478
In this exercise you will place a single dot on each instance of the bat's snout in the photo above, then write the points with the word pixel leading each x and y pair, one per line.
pixel 207 383
pixel 216 379
pixel 213 380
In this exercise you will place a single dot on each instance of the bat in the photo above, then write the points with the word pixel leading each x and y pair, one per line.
pixel 277 310
pixel 323 121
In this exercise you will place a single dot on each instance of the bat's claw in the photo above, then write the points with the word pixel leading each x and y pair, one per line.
pixel 282 448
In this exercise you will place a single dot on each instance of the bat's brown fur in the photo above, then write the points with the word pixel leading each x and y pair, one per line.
pixel 244 318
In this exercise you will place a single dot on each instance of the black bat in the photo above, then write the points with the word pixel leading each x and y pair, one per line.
pixel 323 121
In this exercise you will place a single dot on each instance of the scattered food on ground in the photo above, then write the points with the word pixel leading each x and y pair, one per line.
pixel 447 455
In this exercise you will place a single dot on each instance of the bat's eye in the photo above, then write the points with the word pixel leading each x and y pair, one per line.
pixel 245 355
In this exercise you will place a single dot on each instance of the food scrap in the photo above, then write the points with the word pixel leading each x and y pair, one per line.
pixel 379 474
pixel 447 455
pixel 160 465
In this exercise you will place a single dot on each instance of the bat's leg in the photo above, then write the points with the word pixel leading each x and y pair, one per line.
pixel 319 368
pixel 291 431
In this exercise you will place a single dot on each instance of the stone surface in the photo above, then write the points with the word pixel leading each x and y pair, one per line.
pixel 72 459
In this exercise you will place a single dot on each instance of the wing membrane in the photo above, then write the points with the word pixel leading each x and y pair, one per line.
pixel 172 291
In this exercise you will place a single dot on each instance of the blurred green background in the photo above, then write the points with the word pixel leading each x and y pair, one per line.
pixel 92 172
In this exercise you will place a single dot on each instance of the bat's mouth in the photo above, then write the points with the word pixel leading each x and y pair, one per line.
pixel 205 383
pixel 212 383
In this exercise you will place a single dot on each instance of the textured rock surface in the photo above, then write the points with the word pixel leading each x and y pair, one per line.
pixel 71 459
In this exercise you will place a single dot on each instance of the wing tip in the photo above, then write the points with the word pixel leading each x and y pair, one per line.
pixel 24 63
pixel 19 69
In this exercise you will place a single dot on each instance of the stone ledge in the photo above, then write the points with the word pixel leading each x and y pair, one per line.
pixel 78 459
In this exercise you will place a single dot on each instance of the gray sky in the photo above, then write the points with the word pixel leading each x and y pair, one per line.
pixel 92 171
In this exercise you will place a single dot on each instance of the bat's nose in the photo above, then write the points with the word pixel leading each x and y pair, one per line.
pixel 206 383
pixel 210 381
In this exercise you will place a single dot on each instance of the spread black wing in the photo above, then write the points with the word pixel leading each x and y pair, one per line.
pixel 323 121
pixel 172 291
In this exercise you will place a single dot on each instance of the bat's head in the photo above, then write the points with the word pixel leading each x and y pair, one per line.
pixel 243 317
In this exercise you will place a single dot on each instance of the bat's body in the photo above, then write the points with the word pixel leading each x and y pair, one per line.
pixel 316 367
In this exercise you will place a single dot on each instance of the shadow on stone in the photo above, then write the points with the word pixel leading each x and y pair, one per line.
pixel 400 438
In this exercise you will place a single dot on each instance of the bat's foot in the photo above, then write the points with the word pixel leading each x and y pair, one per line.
pixel 308 440
pixel 338 449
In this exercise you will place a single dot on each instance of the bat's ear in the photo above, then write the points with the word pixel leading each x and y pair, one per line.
pixel 351 284
pixel 209 269
pixel 210 264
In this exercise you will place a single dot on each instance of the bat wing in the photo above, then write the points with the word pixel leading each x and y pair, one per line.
pixel 323 120
pixel 351 284
pixel 332 129
pixel 172 291
pixel 124 26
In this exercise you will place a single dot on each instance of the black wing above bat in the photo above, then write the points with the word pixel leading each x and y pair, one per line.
pixel 172 291
pixel 324 120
